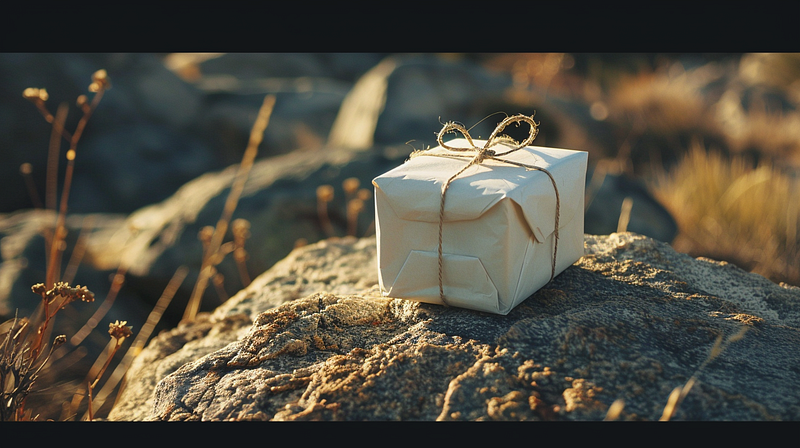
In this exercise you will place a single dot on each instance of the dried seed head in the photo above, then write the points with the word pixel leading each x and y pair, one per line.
pixel 100 81
pixel 118 330
pixel 69 293
pixel 239 254
pixel 324 193
pixel 81 292
pixel 100 76
pixel 39 288
pixel 240 223
pixel 218 279
pixel 354 207
pixel 241 228
pixel 35 95
pixel 205 234
pixel 30 93
pixel 364 194
pixel 351 185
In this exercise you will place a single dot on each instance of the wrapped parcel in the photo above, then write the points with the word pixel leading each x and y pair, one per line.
pixel 498 233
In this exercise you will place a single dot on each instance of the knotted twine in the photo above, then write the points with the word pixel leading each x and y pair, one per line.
pixel 480 155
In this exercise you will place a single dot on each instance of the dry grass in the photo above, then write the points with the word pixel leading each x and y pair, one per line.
pixel 24 345
pixel 659 103
pixel 762 129
pixel 356 199
pixel 679 393
pixel 214 250
pixel 738 204
pixel 24 349
pixel 729 209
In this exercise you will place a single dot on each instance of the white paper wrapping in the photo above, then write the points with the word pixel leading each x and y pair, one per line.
pixel 497 231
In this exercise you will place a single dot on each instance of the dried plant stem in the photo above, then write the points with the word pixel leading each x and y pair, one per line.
pixel 219 284
pixel 91 323
pixel 211 258
pixel 241 231
pixel 54 293
pixel 144 334
pixel 92 384
pixel 624 215
pixel 242 266
pixel 679 393
pixel 119 332
pixel 615 410
pixel 56 248
pixel 43 329
pixel 58 243
pixel 78 251
pixel 354 208
pixel 52 156
pixel 322 212
pixel 85 119
pixel 54 121
pixel 25 169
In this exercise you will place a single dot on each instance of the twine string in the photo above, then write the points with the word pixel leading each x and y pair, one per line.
pixel 485 153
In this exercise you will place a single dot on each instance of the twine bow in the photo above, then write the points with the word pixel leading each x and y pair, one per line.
pixel 484 153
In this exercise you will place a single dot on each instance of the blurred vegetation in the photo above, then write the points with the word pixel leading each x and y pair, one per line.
pixel 715 137
pixel 729 210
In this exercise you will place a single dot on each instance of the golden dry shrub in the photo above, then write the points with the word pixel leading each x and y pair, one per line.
pixel 729 209
pixel 763 128
pixel 660 103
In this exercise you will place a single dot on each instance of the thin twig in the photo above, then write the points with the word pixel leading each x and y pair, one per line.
pixel 136 347
pixel 679 393
pixel 92 384
pixel 26 170
pixel 51 195
pixel 91 323
pixel 210 257
pixel 78 251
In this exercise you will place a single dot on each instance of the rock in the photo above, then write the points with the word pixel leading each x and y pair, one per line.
pixel 301 273
pixel 632 320
pixel 153 131
pixel 304 111
pixel 424 91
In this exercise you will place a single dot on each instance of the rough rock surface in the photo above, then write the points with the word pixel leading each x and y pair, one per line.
pixel 344 266
pixel 632 320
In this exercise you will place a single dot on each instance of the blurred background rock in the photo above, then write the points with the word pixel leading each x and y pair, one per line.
pixel 701 151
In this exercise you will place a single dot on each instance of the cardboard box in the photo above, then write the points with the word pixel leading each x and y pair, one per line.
pixel 497 227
